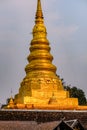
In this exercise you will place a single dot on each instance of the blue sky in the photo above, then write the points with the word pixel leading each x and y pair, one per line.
pixel 66 22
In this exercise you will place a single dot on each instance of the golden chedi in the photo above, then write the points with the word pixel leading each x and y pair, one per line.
pixel 42 88
pixel 10 104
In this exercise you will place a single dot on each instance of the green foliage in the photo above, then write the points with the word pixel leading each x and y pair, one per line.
pixel 76 93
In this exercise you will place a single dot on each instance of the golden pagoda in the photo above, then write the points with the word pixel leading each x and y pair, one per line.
pixel 42 88
pixel 10 103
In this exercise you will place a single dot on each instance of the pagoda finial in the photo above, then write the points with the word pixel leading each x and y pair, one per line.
pixel 39 31
pixel 11 93
pixel 39 13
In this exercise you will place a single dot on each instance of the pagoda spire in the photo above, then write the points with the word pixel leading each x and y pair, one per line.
pixel 39 13
pixel 39 30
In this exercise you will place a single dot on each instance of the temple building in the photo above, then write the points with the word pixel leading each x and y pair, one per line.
pixel 41 88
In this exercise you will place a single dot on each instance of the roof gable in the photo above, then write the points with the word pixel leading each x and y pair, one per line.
pixel 63 126
pixel 75 124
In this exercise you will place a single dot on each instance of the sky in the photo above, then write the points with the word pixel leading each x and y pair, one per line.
pixel 66 23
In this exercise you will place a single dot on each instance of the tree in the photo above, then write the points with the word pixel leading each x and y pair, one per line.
pixel 78 93
pixel 75 92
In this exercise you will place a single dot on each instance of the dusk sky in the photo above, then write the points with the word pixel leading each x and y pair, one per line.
pixel 66 23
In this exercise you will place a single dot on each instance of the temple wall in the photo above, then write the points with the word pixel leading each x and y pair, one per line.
pixel 43 116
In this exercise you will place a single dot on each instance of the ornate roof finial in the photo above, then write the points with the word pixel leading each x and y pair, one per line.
pixel 39 13
pixel 39 30
pixel 11 92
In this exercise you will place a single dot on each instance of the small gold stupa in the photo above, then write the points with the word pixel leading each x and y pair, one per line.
pixel 42 88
